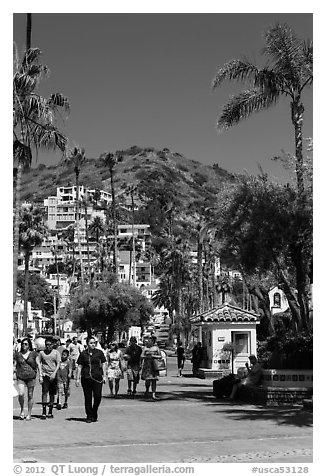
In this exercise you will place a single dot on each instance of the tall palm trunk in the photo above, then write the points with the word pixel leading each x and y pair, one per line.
pixel 16 228
pixel 297 110
pixel 28 31
pixel 214 283
pixel 25 316
pixel 78 229
pixel 58 291
pixel 133 239
pixel 200 274
pixel 115 228
pixel 87 244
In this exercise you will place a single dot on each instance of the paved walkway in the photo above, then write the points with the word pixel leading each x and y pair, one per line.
pixel 187 424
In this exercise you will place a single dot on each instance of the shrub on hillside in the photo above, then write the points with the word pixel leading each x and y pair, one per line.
pixel 134 150
pixel 199 178
pixel 182 167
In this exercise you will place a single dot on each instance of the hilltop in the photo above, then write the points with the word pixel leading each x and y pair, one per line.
pixel 191 179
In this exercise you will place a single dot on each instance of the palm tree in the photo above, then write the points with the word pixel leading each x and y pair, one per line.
pixel 77 158
pixel 86 203
pixel 96 229
pixel 68 236
pixel 110 160
pixel 288 73
pixel 32 231
pixel 131 189
pixel 34 125
pixel 175 260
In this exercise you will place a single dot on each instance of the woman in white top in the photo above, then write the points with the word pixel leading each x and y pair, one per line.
pixel 115 373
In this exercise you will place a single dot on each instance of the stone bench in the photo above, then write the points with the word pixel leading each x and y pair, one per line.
pixel 273 396
pixel 278 387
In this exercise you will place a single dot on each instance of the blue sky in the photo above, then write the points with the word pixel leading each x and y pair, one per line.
pixel 145 79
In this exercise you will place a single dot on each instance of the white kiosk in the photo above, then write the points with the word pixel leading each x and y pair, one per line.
pixel 228 336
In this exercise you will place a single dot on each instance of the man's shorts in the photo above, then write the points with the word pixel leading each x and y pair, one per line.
pixel 133 375
pixel 21 384
pixel 49 385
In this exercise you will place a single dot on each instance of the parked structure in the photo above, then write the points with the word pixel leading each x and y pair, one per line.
pixel 228 336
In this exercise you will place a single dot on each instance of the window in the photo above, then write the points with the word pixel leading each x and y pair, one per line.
pixel 241 343
pixel 277 300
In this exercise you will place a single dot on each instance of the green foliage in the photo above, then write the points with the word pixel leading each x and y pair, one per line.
pixel 287 350
pixel 39 290
pixel 134 150
pixel 199 178
pixel 182 167
pixel 108 309
pixel 52 268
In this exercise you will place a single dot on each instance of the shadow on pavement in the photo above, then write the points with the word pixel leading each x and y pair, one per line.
pixel 242 411
pixel 76 419
pixel 282 416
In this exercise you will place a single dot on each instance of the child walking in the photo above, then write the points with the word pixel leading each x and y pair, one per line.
pixel 64 375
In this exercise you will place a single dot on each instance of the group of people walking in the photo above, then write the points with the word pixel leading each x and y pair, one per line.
pixel 92 366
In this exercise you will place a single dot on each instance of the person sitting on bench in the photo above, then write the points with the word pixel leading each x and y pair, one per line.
pixel 252 378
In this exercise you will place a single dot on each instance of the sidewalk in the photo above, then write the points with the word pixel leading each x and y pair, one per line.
pixel 187 424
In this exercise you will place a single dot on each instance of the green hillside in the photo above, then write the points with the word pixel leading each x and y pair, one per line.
pixel 191 179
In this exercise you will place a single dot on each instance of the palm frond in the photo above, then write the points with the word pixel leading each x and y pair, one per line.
pixel 285 49
pixel 32 55
pixel 22 153
pixel 243 105
pixel 48 137
pixel 59 100
pixel 236 69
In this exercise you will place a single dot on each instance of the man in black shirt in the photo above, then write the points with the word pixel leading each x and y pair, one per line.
pixel 180 358
pixel 91 373
pixel 197 357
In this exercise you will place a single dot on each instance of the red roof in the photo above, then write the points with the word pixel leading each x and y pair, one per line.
pixel 226 313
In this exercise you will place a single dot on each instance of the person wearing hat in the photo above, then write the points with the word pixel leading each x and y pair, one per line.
pixel 252 378
pixel 133 357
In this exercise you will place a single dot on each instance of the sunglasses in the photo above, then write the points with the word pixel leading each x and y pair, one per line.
pixel 25 343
